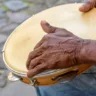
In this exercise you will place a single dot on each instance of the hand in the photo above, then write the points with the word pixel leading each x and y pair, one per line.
pixel 58 49
pixel 88 6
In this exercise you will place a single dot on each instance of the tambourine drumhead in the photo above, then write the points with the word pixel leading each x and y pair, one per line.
pixel 28 34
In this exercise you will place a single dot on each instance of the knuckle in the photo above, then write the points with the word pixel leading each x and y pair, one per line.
pixel 38 68
pixel 46 37
pixel 30 54
pixel 45 56
pixel 35 61
pixel 42 60
pixel 44 45
pixel 32 63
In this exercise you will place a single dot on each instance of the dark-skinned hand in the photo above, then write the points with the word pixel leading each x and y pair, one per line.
pixel 58 49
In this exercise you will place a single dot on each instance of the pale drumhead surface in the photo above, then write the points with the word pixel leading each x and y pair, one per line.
pixel 26 36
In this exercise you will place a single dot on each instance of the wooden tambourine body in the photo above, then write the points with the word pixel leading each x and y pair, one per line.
pixel 28 34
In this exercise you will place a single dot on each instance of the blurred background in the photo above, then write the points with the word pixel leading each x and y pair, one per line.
pixel 13 13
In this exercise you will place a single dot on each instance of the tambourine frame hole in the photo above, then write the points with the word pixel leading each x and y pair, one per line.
pixel 34 81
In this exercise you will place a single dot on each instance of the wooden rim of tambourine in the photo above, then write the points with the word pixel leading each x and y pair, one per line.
pixel 65 16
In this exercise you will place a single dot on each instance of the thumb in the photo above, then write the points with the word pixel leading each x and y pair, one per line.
pixel 47 27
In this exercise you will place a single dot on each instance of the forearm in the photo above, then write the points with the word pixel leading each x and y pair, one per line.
pixel 88 52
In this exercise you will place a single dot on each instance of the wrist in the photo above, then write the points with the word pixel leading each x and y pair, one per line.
pixel 87 53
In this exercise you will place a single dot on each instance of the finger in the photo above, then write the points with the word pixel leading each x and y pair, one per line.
pixel 34 62
pixel 33 55
pixel 47 27
pixel 40 68
pixel 88 6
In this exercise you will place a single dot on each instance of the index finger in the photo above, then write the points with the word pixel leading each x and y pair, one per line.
pixel 36 53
